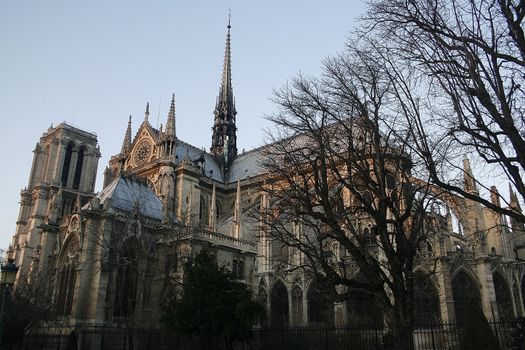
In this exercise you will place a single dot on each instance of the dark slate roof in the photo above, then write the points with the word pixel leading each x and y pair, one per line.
pixel 211 168
pixel 127 193
pixel 247 164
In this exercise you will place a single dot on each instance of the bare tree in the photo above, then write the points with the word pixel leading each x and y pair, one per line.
pixel 30 305
pixel 471 54
pixel 341 195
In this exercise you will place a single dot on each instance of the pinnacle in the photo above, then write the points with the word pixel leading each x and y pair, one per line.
pixel 126 144
pixel 170 123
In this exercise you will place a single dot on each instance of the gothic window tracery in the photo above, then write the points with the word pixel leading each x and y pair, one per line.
pixel 503 297
pixel 426 300
pixel 67 277
pixel 126 280
pixel 466 296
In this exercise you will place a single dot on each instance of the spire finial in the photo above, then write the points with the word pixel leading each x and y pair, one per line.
pixel 126 144
pixel 229 19
pixel 170 124
pixel 146 114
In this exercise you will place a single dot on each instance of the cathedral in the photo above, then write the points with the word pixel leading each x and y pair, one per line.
pixel 112 257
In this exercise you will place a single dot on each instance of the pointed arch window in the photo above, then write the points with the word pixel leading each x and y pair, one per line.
pixel 126 281
pixel 426 301
pixel 46 163
pixel 297 306
pixel 67 278
pixel 67 163
pixel 279 305
pixel 320 304
pixel 466 296
pixel 78 169
pixel 203 211
pixel 503 297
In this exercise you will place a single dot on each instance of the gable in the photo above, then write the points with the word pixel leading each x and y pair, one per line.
pixel 144 148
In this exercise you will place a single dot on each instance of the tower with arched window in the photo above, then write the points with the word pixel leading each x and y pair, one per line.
pixel 62 179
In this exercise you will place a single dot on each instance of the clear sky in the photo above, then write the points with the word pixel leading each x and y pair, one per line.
pixel 93 63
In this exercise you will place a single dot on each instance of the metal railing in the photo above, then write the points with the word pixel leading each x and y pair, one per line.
pixel 509 334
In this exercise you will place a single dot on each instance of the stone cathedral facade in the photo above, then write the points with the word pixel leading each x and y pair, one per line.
pixel 113 257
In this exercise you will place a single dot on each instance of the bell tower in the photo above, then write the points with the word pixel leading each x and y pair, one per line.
pixel 224 138
pixel 62 179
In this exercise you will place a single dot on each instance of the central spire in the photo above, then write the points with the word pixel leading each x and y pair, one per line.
pixel 224 138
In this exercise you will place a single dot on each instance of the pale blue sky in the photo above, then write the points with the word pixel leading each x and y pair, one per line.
pixel 93 63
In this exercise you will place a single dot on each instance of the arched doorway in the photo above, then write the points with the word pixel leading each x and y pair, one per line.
pixel 503 297
pixel 426 301
pixel 466 296
pixel 320 304
pixel 279 305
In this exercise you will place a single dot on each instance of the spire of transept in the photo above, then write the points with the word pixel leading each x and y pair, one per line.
pixel 224 139
pixel 126 144
pixel 170 124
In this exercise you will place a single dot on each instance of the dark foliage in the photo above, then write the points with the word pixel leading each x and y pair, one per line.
pixel 213 303
pixel 27 305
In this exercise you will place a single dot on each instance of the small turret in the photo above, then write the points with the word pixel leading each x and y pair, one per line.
pixel 169 135
pixel 170 123
pixel 494 196
pixel 469 182
pixel 146 113
pixel 126 144
pixel 517 226
pixel 514 203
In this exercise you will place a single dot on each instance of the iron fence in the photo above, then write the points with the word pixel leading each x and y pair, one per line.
pixel 510 335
